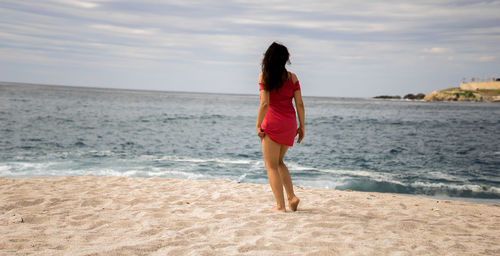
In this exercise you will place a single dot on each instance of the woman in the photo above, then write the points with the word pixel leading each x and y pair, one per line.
pixel 276 121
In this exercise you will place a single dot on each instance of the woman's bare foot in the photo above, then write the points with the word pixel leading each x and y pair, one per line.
pixel 277 208
pixel 294 203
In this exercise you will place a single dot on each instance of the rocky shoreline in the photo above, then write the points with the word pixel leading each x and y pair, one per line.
pixel 410 96
pixel 457 94
pixel 450 94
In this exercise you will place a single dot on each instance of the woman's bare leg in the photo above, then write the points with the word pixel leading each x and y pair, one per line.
pixel 271 152
pixel 293 201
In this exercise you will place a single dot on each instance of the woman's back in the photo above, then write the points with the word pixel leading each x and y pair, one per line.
pixel 280 100
pixel 280 123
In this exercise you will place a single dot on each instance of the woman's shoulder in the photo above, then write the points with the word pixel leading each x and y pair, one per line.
pixel 260 78
pixel 294 77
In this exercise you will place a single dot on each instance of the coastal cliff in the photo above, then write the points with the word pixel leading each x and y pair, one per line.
pixel 480 91
pixel 484 91
pixel 457 94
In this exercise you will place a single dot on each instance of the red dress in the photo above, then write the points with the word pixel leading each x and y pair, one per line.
pixel 280 122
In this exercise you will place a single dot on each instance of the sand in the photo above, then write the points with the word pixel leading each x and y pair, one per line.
pixel 90 215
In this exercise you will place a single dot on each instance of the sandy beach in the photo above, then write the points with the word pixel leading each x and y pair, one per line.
pixel 88 215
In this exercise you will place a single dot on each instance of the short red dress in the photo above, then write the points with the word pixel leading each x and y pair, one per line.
pixel 280 122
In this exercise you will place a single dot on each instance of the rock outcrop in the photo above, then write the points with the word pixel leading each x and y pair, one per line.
pixel 396 97
pixel 411 96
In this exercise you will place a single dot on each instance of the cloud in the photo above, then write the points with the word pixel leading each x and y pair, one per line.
pixel 486 58
pixel 122 30
pixel 78 3
pixel 343 35
pixel 437 50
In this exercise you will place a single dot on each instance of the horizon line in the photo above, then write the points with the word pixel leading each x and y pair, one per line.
pixel 166 91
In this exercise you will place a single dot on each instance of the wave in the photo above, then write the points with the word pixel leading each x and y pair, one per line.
pixel 53 169
pixel 472 188
pixel 204 160
pixel 361 180
pixel 376 176
pixel 249 170
pixel 298 167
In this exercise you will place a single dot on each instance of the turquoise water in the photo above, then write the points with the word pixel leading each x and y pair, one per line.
pixel 438 149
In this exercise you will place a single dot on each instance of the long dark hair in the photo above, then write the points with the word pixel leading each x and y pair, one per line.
pixel 274 73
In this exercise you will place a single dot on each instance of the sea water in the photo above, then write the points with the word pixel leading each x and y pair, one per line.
pixel 444 149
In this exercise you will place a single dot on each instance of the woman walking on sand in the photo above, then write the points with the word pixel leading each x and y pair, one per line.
pixel 276 121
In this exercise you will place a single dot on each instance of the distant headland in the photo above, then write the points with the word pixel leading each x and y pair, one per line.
pixel 410 96
pixel 475 90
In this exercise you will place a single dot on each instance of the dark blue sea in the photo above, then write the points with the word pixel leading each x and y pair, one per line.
pixel 439 149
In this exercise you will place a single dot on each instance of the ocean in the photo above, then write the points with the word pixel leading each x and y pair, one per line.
pixel 439 149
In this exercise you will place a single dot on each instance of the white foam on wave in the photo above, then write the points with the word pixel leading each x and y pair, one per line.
pixel 341 178
pixel 376 176
pixel 26 169
pixel 4 167
pixel 471 187
pixel 4 170
pixel 153 172
pixel 162 172
pixel 443 176
pixel 320 183
pixel 23 169
pixel 105 172
pixel 204 160
pixel 241 178
pixel 28 165
pixel 19 169
pixel 298 167
pixel 255 169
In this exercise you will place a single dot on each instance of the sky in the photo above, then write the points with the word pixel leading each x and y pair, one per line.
pixel 342 48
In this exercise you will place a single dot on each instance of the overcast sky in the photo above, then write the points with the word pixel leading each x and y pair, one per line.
pixel 338 48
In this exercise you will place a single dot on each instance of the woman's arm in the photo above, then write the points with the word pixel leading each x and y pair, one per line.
pixel 299 104
pixel 264 105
